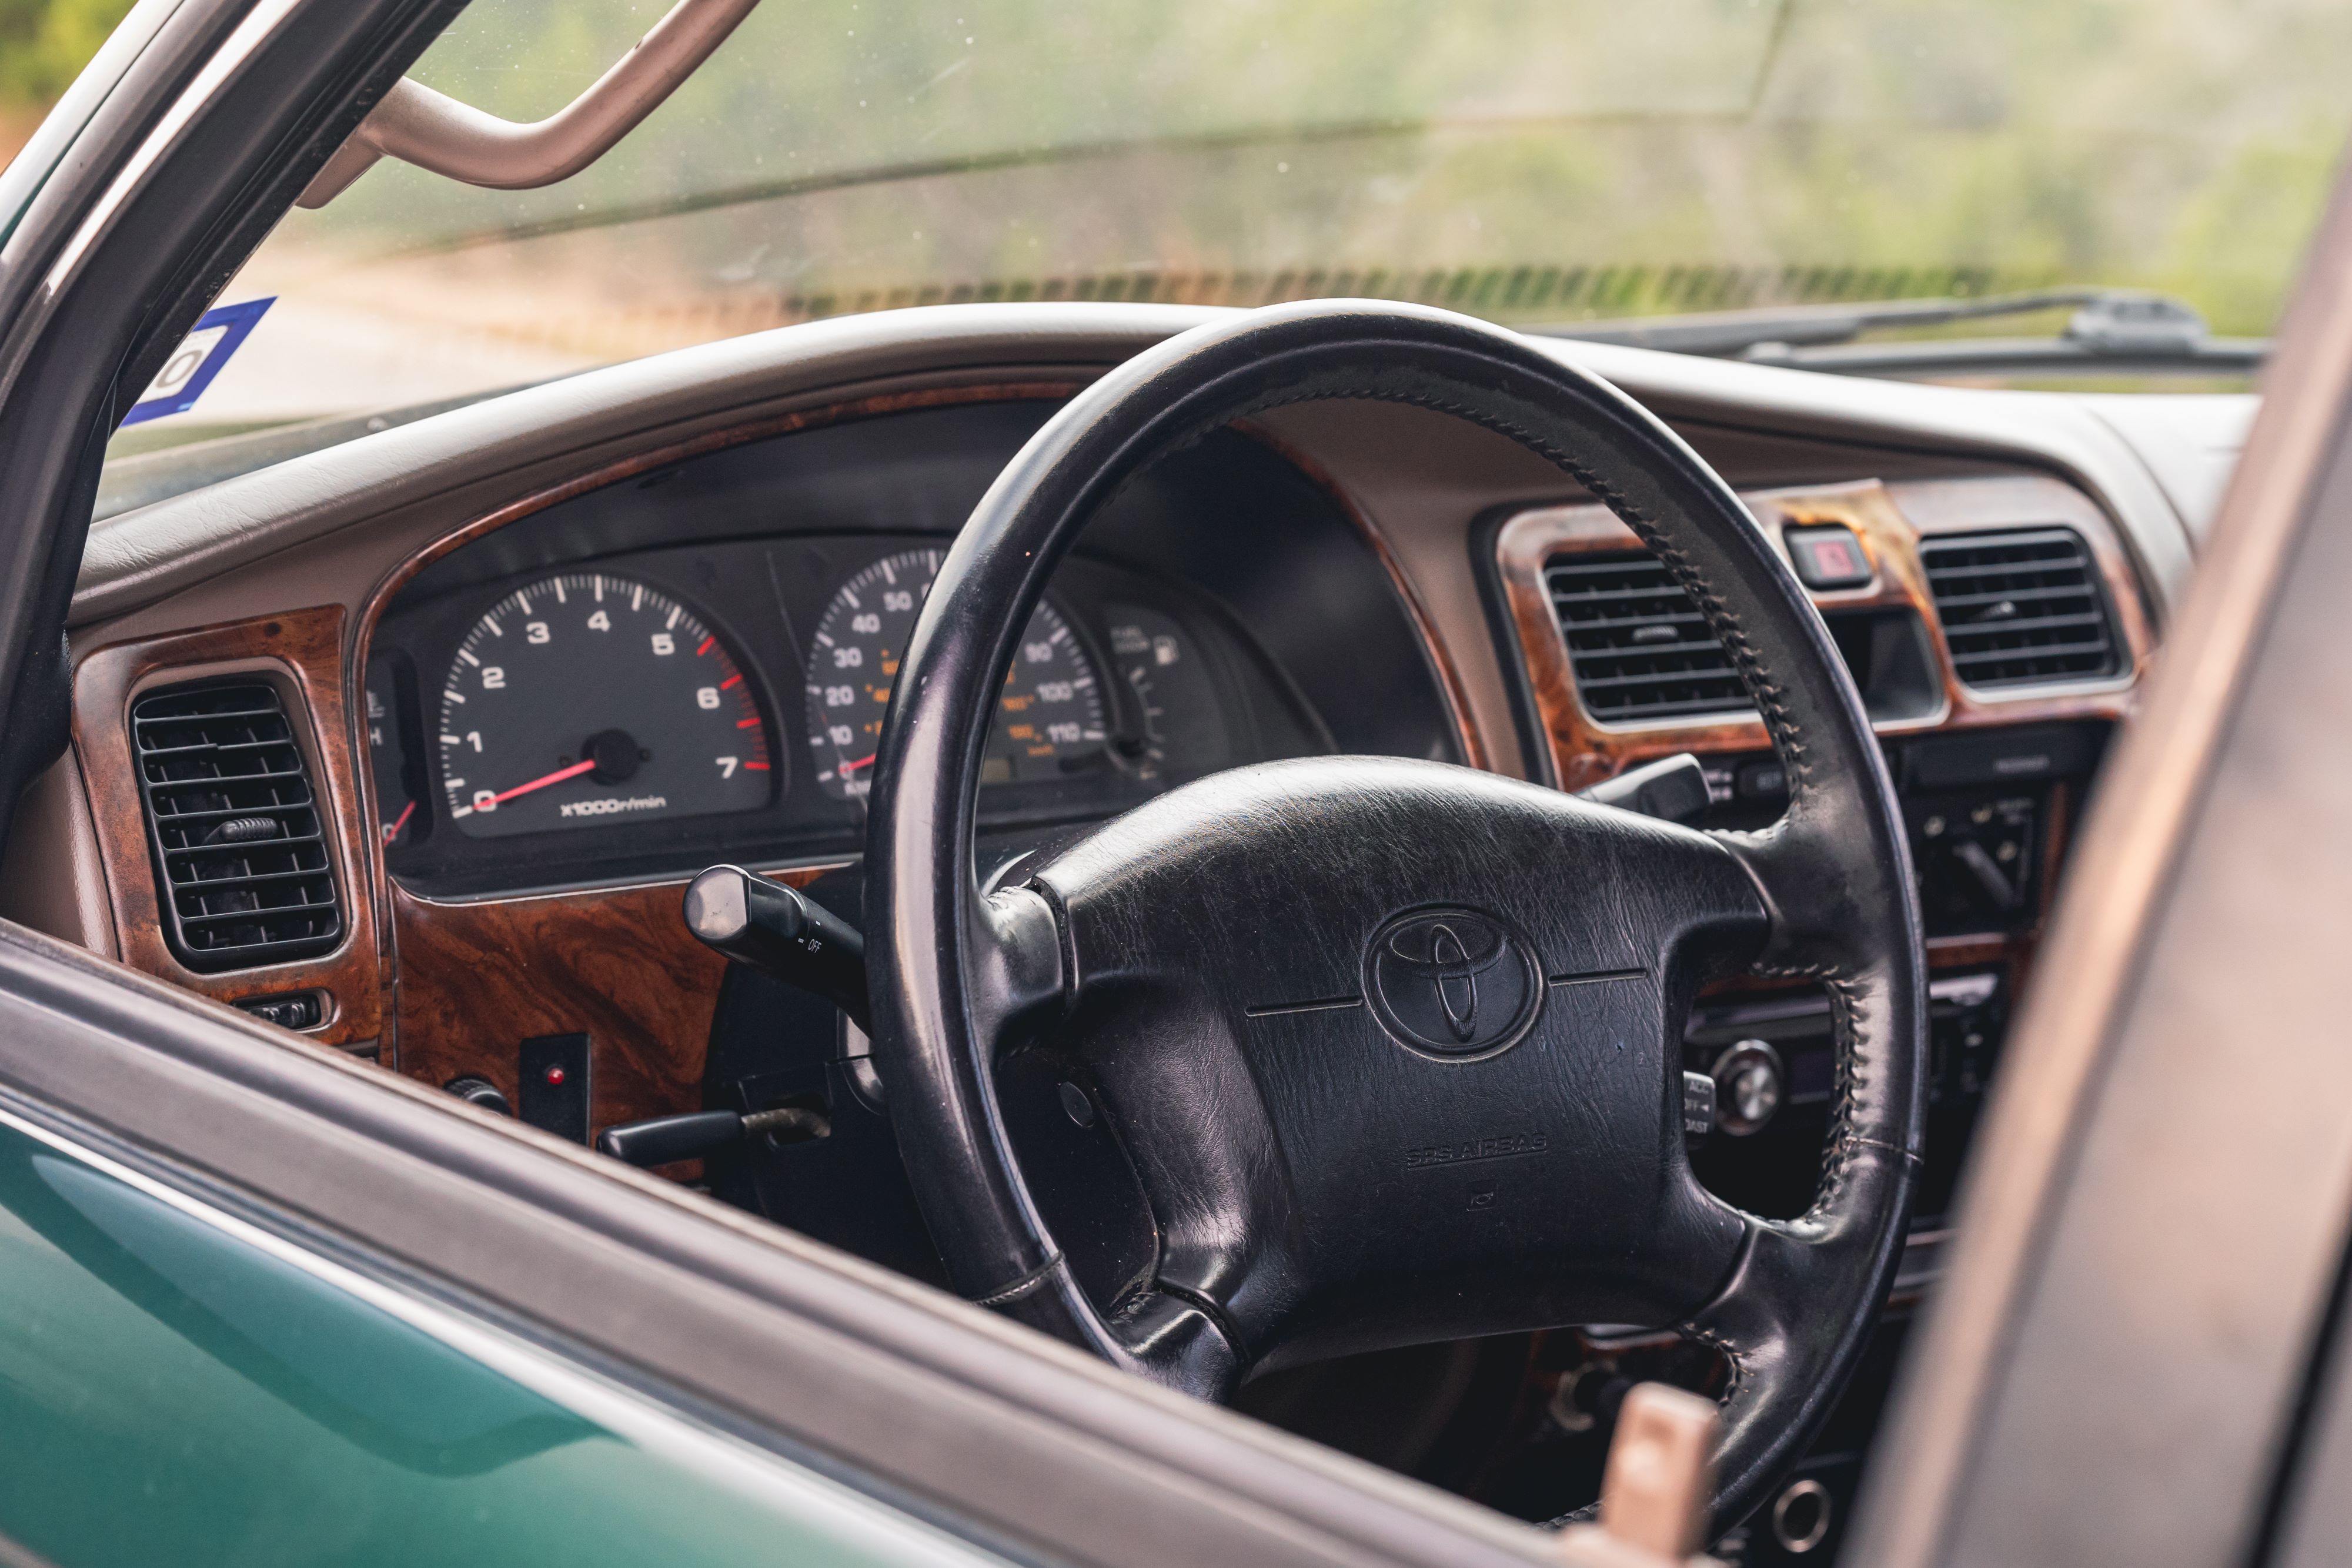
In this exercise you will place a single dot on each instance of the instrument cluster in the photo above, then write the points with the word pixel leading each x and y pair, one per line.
pixel 649 712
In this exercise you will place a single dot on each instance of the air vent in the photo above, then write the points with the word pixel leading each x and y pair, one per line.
pixel 1640 648
pixel 2021 608
pixel 242 864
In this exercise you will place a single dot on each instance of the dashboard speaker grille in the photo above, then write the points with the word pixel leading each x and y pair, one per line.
pixel 241 863
pixel 1636 641
pixel 2021 608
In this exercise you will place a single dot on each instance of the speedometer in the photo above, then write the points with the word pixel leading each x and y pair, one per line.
pixel 590 699
pixel 1049 721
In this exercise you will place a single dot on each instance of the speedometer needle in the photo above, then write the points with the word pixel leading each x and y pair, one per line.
pixel 558 776
pixel 854 767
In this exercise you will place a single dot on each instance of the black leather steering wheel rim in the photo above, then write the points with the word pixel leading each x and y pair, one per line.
pixel 1826 892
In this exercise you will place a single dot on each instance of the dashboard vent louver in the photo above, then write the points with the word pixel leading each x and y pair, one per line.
pixel 2020 609
pixel 241 863
pixel 1638 644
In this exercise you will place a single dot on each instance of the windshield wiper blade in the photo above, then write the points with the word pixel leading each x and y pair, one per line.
pixel 1934 359
pixel 2108 324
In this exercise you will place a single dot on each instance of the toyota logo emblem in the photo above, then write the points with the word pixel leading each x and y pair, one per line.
pixel 1452 982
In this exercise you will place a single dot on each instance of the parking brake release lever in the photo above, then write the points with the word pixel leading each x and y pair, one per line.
pixel 773 928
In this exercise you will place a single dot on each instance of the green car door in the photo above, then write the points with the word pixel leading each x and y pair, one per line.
pixel 178 1385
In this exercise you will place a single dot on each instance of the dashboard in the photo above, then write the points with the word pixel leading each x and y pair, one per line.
pixel 547 658
pixel 521 670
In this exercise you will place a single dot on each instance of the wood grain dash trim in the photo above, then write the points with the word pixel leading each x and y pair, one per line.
pixel 617 965
pixel 1890 521
pixel 301 652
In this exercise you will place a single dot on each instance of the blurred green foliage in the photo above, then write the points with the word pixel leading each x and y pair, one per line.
pixel 44 43
pixel 1528 160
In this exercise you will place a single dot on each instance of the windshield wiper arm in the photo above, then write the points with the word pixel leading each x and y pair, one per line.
pixel 2107 323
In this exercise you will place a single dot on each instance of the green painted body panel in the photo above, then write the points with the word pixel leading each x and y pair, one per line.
pixel 175 1387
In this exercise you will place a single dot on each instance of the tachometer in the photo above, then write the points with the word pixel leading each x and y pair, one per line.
pixel 1049 721
pixel 592 699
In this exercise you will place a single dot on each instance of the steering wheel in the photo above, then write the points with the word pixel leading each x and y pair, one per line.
pixel 1393 1049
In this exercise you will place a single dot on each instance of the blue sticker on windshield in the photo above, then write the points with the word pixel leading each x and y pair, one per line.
pixel 194 363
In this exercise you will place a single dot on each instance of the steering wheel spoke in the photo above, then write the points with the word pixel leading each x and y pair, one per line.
pixel 1787 1358
pixel 1018 981
pixel 1810 904
pixel 1153 1334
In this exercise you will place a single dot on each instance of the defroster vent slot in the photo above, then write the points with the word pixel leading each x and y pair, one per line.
pixel 243 875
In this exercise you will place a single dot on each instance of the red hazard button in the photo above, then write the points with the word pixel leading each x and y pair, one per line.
pixel 1827 557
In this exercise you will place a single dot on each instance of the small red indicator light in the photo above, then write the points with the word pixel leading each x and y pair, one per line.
pixel 554 1075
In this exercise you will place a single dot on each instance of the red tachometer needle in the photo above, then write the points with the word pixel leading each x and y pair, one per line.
pixel 854 767
pixel 558 776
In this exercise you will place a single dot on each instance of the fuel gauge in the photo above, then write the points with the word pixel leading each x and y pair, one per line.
pixel 1181 729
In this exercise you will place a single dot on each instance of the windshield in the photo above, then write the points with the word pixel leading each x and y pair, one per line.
pixel 1533 162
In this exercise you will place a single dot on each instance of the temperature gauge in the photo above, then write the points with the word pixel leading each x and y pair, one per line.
pixel 388 760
